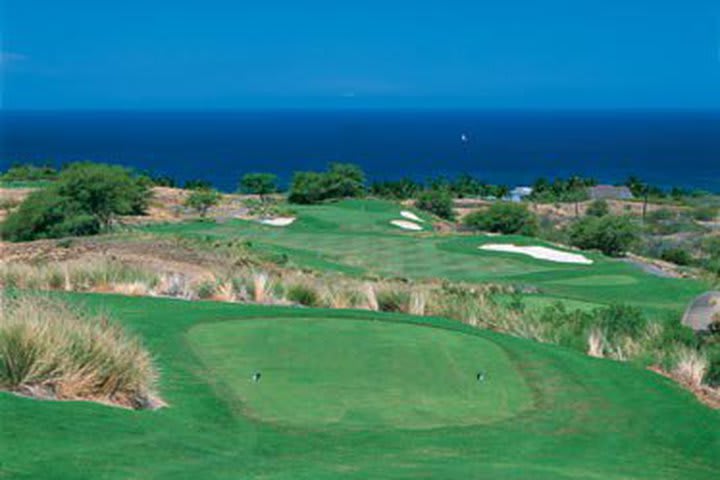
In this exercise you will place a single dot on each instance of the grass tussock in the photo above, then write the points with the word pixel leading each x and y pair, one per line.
pixel 51 350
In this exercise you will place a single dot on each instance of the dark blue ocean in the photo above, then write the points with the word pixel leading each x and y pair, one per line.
pixel 511 147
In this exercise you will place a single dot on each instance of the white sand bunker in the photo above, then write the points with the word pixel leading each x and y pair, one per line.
pixel 278 221
pixel 411 216
pixel 406 225
pixel 541 253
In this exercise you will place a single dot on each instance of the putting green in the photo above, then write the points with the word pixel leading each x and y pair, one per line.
pixel 360 374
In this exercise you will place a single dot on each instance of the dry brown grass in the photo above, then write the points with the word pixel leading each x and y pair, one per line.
pixel 51 350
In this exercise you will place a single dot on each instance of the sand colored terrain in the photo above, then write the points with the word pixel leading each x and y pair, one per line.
pixel 406 225
pixel 540 253
pixel 278 221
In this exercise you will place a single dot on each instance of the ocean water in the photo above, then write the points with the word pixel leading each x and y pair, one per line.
pixel 510 147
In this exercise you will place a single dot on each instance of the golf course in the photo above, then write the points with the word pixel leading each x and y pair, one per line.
pixel 357 237
pixel 350 394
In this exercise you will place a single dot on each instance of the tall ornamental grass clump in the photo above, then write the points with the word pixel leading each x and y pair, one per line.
pixel 51 350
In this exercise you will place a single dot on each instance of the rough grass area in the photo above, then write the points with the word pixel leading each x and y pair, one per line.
pixel 52 351
pixel 589 418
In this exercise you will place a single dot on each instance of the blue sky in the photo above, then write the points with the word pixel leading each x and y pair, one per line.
pixel 392 53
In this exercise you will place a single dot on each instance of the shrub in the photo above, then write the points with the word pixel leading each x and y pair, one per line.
pixel 504 217
pixel 342 180
pixel 206 289
pixel 29 173
pixel 391 298
pixel 202 200
pixel 612 235
pixel 259 184
pixel 678 256
pixel 303 294
pixel 598 208
pixel 398 190
pixel 84 199
pixel 46 214
pixel 704 214
pixel 103 191
pixel 51 350
pixel 437 202
pixel 197 184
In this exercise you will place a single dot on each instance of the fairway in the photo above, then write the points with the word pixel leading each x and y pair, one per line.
pixel 355 237
pixel 333 372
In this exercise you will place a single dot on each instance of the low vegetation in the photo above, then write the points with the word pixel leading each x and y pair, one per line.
pixel 202 200
pixel 612 235
pixel 84 200
pixel 341 180
pixel 51 350
pixel 504 217
pixel 437 202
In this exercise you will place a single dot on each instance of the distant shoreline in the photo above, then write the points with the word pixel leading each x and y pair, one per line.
pixel 666 147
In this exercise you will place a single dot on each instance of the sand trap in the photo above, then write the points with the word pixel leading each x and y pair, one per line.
pixel 406 225
pixel 411 216
pixel 541 253
pixel 278 222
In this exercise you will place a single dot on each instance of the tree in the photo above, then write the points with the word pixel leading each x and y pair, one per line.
pixel 612 235
pixel 504 217
pixel 437 202
pixel 598 208
pixel 83 200
pixel 197 184
pixel 261 184
pixel 342 180
pixel 202 200
pixel 46 214
pixel 103 191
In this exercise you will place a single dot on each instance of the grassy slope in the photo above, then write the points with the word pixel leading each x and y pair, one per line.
pixel 590 418
pixel 355 236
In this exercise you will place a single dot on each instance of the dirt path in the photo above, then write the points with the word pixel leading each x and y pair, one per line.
pixel 700 313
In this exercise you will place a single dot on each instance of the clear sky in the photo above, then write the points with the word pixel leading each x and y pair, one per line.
pixel 195 54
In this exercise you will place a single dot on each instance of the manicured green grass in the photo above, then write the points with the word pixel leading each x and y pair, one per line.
pixel 320 372
pixel 355 237
pixel 587 418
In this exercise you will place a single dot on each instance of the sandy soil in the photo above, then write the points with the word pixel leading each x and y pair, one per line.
pixel 277 222
pixel 406 225
pixel 540 253
pixel 411 216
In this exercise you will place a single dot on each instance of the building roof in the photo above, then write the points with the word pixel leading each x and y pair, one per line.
pixel 602 192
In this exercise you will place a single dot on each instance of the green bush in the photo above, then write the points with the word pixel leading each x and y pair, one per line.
pixel 598 208
pixel 202 200
pixel 704 214
pixel 103 191
pixel 437 202
pixel 612 235
pixel 678 256
pixel 506 218
pixel 46 214
pixel 259 184
pixel 396 189
pixel 303 294
pixel 340 181
pixel 29 173
pixel 84 200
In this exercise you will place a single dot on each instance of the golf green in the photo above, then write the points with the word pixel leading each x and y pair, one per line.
pixel 321 372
